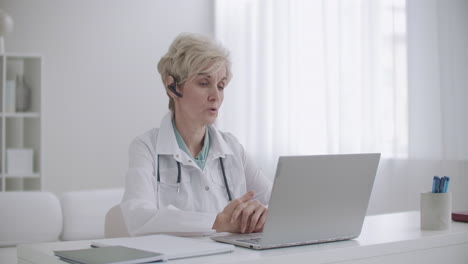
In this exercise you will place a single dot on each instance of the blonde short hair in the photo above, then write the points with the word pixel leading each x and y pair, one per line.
pixel 189 55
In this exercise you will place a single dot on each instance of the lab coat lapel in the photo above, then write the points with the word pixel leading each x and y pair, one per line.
pixel 166 143
pixel 219 146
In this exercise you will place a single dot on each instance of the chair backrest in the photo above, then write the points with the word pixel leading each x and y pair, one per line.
pixel 115 224
pixel 29 217
pixel 84 212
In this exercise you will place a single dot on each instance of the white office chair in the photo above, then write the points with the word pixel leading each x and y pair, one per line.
pixel 114 223
pixel 29 217
pixel 84 212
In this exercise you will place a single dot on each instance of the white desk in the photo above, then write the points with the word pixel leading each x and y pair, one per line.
pixel 390 238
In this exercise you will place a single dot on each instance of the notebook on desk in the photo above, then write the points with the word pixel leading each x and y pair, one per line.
pixel 315 199
pixel 109 255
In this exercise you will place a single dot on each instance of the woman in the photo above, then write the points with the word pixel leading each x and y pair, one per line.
pixel 187 176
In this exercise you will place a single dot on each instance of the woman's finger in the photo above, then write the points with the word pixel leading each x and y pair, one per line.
pixel 261 221
pixel 238 211
pixel 247 213
pixel 258 212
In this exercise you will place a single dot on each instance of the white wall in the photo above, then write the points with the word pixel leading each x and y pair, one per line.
pixel 438 66
pixel 101 87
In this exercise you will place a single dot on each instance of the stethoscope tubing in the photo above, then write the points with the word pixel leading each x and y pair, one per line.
pixel 225 179
pixel 179 178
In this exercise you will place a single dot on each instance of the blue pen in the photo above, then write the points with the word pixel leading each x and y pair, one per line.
pixel 441 185
pixel 447 181
pixel 435 184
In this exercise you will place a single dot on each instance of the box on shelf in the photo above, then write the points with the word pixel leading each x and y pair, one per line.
pixel 10 96
pixel 19 161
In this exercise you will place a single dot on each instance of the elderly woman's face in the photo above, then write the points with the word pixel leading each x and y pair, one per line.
pixel 203 96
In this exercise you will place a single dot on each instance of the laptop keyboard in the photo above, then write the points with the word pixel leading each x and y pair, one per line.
pixel 251 240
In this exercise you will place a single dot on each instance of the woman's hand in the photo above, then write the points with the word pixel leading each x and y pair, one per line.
pixel 241 215
pixel 223 221
pixel 251 214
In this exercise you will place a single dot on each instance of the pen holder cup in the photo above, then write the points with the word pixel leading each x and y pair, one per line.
pixel 436 210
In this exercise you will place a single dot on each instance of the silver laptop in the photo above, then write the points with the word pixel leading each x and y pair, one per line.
pixel 315 199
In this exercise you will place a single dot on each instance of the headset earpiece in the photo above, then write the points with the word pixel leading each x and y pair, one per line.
pixel 172 87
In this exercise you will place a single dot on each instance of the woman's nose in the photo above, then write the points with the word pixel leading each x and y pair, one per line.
pixel 214 94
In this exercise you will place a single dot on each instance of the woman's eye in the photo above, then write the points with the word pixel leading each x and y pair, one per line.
pixel 221 87
pixel 204 84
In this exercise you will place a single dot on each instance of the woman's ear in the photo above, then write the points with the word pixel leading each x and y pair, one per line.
pixel 171 85
pixel 169 80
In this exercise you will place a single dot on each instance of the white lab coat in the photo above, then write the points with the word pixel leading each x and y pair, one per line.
pixel 149 209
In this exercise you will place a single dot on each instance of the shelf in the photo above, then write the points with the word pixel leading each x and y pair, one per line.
pixel 22 114
pixel 21 130
pixel 19 176
pixel 13 55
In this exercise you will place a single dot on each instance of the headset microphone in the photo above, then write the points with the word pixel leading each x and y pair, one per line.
pixel 173 86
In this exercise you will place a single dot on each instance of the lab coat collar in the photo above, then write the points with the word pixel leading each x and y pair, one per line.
pixel 219 146
pixel 166 143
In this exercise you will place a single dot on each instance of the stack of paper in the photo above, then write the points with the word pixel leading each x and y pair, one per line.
pixel 172 247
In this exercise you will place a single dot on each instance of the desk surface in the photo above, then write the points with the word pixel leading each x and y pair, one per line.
pixel 382 235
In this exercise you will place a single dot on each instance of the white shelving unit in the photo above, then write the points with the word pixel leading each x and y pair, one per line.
pixel 21 129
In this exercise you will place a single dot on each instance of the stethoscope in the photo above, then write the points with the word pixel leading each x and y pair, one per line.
pixel 179 176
